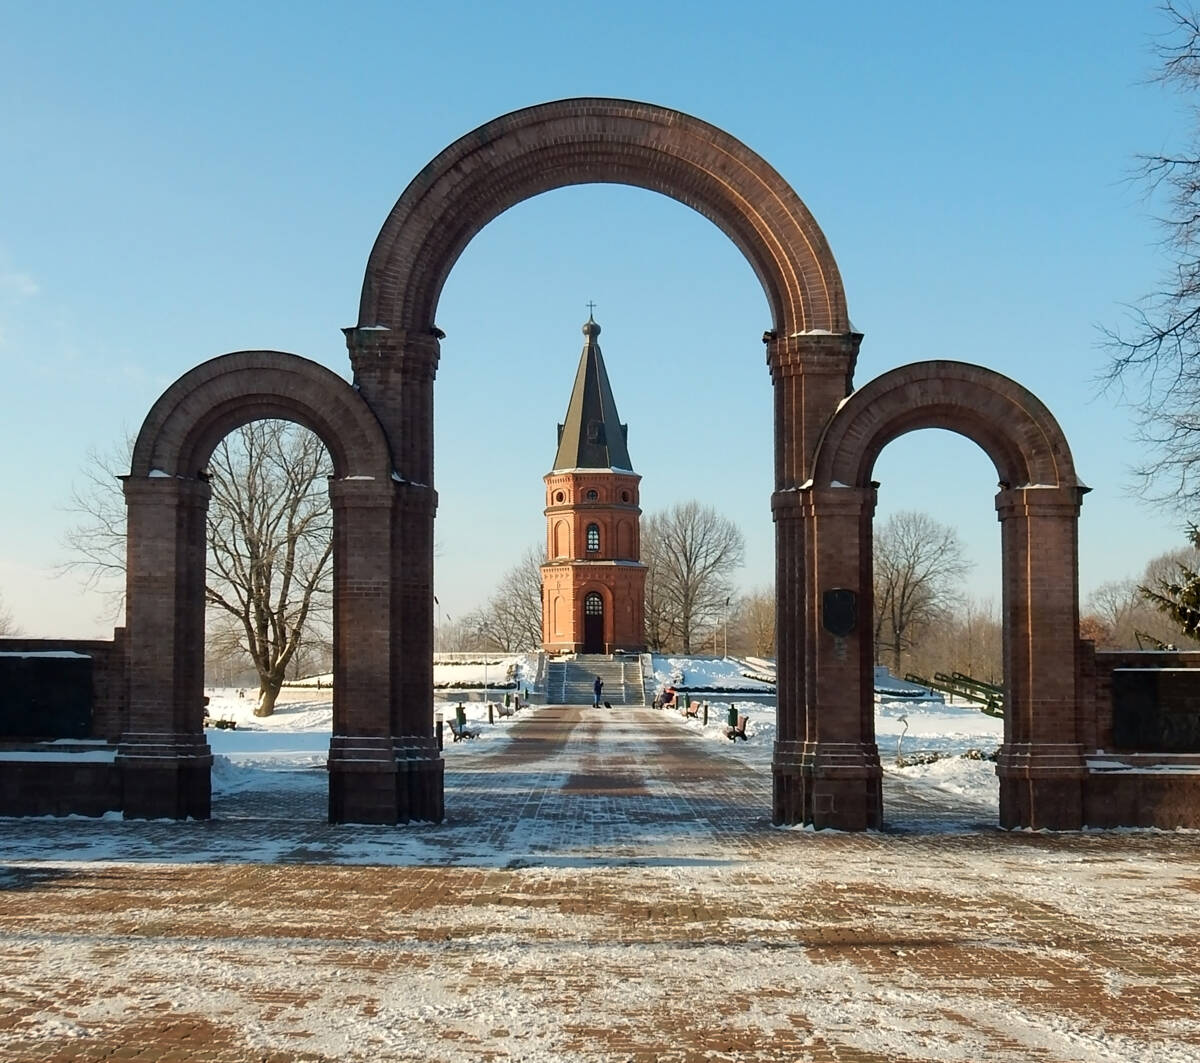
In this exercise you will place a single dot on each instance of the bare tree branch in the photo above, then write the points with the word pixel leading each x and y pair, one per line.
pixel 270 538
pixel 97 540
pixel 8 626
pixel 919 566
pixel 512 618
pixel 752 624
pixel 1154 357
pixel 690 553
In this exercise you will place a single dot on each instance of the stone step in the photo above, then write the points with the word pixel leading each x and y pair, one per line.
pixel 570 682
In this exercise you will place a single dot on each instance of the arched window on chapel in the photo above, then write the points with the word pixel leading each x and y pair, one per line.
pixel 593 538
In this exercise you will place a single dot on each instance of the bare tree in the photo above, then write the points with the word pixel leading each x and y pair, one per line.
pixel 512 617
pixel 270 533
pixel 752 624
pixel 690 553
pixel 269 536
pixel 1155 357
pixel 8 626
pixel 658 617
pixel 967 638
pixel 1118 606
pixel 919 564
pixel 458 636
pixel 1093 629
pixel 97 540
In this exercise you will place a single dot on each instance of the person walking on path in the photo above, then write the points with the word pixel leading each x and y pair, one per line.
pixel 597 690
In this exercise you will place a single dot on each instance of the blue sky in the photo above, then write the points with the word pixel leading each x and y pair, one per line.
pixel 178 181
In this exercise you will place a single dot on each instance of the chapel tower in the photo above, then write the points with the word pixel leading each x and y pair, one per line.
pixel 593 581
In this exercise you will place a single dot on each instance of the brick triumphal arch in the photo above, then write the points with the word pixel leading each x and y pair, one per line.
pixel 384 764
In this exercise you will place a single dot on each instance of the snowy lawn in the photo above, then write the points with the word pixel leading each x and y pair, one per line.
pixel 909 726
pixel 709 673
pixel 271 751
pixel 296 737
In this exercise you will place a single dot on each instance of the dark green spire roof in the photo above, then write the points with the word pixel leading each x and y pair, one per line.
pixel 592 436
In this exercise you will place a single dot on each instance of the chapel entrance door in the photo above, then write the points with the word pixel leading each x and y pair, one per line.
pixel 593 623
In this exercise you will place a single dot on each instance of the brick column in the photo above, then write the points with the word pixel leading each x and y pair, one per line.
pixel 420 785
pixel 394 370
pixel 810 374
pixel 163 757
pixel 1041 765
pixel 839 759
pixel 788 792
pixel 362 768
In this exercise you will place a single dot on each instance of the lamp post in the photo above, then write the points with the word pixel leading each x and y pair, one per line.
pixel 725 625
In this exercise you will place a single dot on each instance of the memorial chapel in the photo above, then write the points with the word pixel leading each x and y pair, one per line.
pixel 593 581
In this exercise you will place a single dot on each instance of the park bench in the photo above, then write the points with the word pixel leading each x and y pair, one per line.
pixel 692 710
pixel 220 723
pixel 734 733
pixel 462 730
pixel 504 710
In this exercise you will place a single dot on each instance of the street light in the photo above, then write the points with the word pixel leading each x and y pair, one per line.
pixel 725 625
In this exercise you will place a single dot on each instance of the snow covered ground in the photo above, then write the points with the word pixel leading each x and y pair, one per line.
pixel 597 891
pixel 600 890
pixel 709 673
pixel 465 671
pixel 272 750
pixel 903 727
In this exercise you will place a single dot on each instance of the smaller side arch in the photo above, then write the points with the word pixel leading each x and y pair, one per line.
pixel 164 758
pixel 207 403
pixel 1006 420
pixel 1041 766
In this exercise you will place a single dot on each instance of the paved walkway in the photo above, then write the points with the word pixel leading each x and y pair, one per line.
pixel 607 887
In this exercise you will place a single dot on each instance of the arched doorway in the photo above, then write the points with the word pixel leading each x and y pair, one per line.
pixel 396 344
pixel 163 755
pixel 593 623
pixel 1041 765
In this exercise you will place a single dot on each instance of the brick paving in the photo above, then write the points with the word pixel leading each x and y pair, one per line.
pixel 607 886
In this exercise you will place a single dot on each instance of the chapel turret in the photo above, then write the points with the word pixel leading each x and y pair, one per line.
pixel 593 581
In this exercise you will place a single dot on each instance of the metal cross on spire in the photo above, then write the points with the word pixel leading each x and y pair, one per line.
pixel 591 307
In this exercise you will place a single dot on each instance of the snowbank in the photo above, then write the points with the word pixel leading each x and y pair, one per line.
pixel 708 674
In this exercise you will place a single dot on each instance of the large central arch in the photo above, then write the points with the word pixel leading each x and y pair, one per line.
pixel 395 346
pixel 527 152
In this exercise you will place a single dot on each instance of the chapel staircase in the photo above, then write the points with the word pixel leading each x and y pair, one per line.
pixel 569 681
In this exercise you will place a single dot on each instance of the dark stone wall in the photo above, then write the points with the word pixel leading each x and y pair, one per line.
pixel 71 784
pixel 1132 707
pixel 1138 719
pixel 55 679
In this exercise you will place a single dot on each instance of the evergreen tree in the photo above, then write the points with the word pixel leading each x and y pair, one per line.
pixel 1179 598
